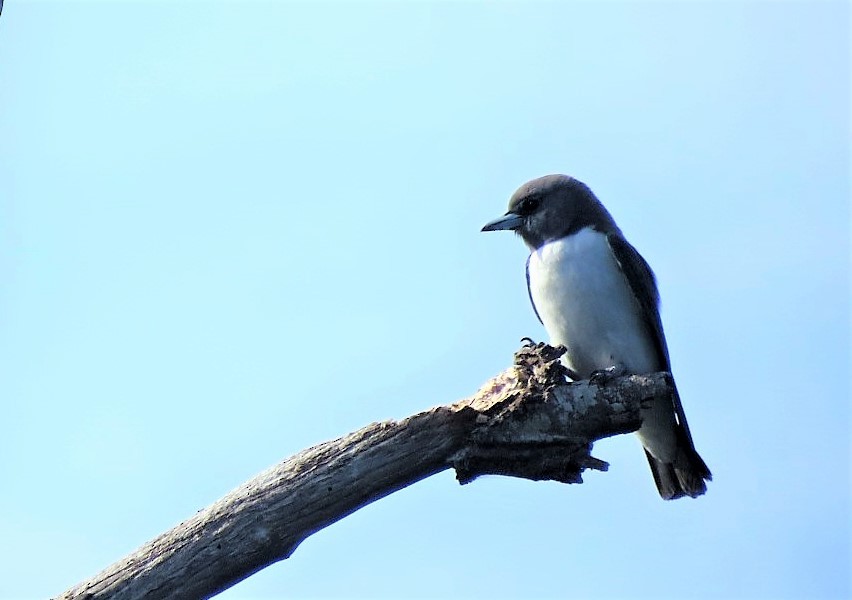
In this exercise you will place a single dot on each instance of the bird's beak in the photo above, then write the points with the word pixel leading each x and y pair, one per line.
pixel 508 221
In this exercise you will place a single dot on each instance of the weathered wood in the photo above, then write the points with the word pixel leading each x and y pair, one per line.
pixel 526 422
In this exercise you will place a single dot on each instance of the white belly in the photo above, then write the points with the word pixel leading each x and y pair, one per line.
pixel 586 304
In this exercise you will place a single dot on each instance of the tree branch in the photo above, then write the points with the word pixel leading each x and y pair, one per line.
pixel 526 422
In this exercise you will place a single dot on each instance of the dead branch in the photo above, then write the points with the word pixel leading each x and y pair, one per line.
pixel 526 422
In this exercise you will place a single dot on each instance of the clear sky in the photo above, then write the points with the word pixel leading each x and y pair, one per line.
pixel 198 199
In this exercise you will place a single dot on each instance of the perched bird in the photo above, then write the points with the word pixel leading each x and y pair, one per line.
pixel 597 296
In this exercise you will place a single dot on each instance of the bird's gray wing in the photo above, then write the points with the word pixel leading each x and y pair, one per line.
pixel 529 291
pixel 643 284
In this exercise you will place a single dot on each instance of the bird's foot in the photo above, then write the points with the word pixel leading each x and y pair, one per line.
pixel 602 377
pixel 527 342
pixel 572 374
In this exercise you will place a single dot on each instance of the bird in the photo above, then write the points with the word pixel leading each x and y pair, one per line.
pixel 597 297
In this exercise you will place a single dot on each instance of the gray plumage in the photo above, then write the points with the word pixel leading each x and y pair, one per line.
pixel 597 296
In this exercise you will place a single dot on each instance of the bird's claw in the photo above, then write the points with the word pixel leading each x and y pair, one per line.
pixel 527 342
pixel 601 377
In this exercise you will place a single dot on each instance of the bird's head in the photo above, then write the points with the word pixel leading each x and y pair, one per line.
pixel 552 207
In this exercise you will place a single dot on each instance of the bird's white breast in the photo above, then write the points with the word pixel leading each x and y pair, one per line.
pixel 586 303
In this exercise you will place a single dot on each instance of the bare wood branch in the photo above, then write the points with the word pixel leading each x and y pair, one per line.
pixel 526 422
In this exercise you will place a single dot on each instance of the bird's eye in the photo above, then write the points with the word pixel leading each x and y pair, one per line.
pixel 528 205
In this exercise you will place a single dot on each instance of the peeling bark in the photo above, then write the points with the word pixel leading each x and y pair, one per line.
pixel 526 422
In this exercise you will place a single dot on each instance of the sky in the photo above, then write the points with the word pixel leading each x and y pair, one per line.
pixel 199 199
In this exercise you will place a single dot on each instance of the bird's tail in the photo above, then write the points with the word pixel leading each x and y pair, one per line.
pixel 685 476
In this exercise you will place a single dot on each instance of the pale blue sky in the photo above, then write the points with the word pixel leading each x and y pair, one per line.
pixel 198 200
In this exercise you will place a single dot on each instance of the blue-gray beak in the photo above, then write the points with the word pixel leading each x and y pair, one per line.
pixel 508 221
